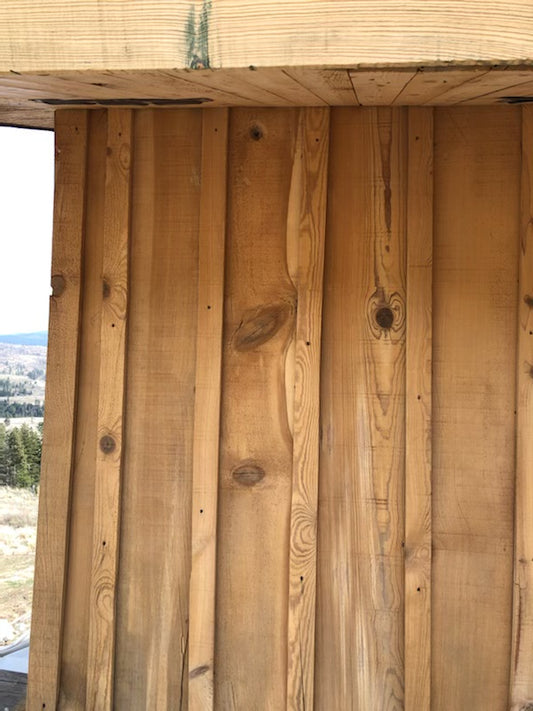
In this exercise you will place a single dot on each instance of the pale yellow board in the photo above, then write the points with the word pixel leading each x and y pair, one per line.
pixel 83 34
pixel 212 233
pixel 476 201
pixel 521 691
pixel 256 453
pixel 360 585
pixel 333 86
pixel 418 419
pixel 476 89
pixel 427 86
pixel 60 425
pixel 306 222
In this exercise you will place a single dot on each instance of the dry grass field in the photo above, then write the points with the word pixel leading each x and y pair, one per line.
pixel 18 520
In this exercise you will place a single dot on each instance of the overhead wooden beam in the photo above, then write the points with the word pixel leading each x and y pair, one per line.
pixel 89 34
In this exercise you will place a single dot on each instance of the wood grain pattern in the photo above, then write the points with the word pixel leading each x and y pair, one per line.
pixel 256 439
pixel 78 584
pixel 359 660
pixel 59 430
pixel 107 494
pixel 418 421
pixel 380 88
pixel 212 232
pixel 521 691
pixel 305 244
pixel 155 555
pixel 477 189
pixel 55 35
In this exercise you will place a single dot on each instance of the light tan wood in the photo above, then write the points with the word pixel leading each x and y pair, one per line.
pixel 380 88
pixel 359 658
pixel 59 431
pixel 477 192
pixel 155 555
pixel 22 95
pixel 306 221
pixel 418 421
pixel 108 466
pixel 212 233
pixel 256 440
pixel 521 690
pixel 76 624
pixel 85 34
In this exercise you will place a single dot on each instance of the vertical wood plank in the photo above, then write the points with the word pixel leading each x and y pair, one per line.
pixel 476 205
pixel 256 437
pixel 110 413
pixel 418 411
pixel 521 696
pixel 305 243
pixel 212 231
pixel 360 636
pixel 59 427
pixel 73 689
pixel 151 668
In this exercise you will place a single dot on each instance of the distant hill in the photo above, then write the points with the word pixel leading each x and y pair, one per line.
pixel 39 338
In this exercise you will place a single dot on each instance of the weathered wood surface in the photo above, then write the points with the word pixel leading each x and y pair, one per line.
pixel 306 226
pixel 361 511
pixel 49 598
pixel 477 215
pixel 521 691
pixel 416 365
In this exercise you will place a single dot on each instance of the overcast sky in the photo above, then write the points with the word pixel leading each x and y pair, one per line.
pixel 26 204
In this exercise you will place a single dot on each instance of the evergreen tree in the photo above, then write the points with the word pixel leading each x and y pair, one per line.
pixel 19 470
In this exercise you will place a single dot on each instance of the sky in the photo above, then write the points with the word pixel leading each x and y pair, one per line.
pixel 26 206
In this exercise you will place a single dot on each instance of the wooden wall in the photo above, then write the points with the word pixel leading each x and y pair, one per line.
pixel 288 461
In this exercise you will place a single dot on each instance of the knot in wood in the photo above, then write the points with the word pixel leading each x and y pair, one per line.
pixel 107 444
pixel 58 284
pixel 384 317
pixel 256 132
pixel 248 474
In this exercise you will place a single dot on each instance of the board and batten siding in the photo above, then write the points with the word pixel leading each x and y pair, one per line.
pixel 287 458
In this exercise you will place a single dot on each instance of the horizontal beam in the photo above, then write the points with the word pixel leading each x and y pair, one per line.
pixel 96 34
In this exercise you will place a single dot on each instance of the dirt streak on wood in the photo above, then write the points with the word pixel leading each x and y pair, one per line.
pixel 521 690
pixel 306 222
pixel 59 429
pixel 477 192
pixel 253 521
pixel 418 411
pixel 359 662
pixel 108 472
pixel 212 234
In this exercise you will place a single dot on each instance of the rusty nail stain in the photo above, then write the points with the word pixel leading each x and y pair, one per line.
pixel 107 444
pixel 58 284
pixel 384 317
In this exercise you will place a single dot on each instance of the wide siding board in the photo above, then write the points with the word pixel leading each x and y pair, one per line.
pixel 359 654
pixel 477 189
pixel 155 561
pixel 256 438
